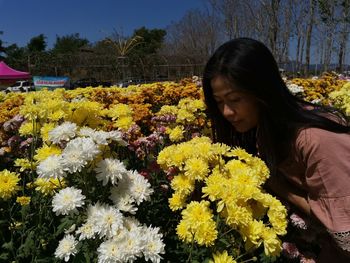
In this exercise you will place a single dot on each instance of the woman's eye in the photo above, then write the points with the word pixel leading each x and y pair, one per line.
pixel 234 100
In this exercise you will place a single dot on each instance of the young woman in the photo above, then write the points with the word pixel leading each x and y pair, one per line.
pixel 306 146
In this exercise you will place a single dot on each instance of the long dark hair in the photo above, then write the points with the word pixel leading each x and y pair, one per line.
pixel 250 65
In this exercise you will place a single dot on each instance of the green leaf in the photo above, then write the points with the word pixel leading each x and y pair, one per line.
pixel 66 223
pixel 8 245
pixel 27 248
pixel 4 256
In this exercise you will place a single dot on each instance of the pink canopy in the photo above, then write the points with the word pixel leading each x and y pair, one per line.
pixel 7 73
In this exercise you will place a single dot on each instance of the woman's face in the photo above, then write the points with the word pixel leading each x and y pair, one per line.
pixel 239 108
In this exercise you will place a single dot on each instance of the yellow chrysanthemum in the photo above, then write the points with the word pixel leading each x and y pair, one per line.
pixel 124 123
pixel 46 151
pixel 176 134
pixel 184 116
pixel 183 232
pixel 45 105
pixel 8 184
pixel 120 110
pixel 240 153
pixel 45 129
pixel 167 109
pixel 206 233
pixel 236 215
pixel 86 113
pixel 215 184
pixel 277 213
pixel 223 257
pixel 197 223
pixel 24 164
pixel 28 128
pixel 182 184
pixel 48 186
pixel 23 200
pixel 253 232
pixel 272 244
pixel 196 169
pixel 177 201
pixel 197 212
pixel 236 168
pixel 259 169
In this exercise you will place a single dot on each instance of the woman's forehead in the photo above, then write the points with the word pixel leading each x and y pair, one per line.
pixel 221 84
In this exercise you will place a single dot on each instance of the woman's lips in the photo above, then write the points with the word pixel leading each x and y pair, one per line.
pixel 235 122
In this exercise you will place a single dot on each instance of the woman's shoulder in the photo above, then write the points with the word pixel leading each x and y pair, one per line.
pixel 313 140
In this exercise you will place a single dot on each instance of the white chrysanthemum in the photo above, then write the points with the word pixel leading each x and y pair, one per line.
pixel 130 222
pixel 102 137
pixel 107 221
pixel 118 137
pixel 77 154
pixel 110 170
pixel 66 248
pixel 295 89
pixel 63 132
pixel 153 244
pixel 110 252
pixel 51 167
pixel 86 231
pixel 132 244
pixel 67 200
pixel 86 131
pixel 99 137
pixel 140 188
pixel 122 200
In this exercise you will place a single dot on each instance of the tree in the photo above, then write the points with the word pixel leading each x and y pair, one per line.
pixel 195 36
pixel 2 48
pixel 37 44
pixel 311 21
pixel 152 41
pixel 344 32
pixel 328 17
pixel 69 43
pixel 16 56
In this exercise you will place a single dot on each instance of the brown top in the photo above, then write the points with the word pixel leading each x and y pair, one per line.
pixel 320 165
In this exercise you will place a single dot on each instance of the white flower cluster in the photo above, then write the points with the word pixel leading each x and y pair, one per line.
pixel 63 132
pixel 125 239
pixel 132 188
pixel 102 137
pixel 67 200
pixel 294 88
pixel 122 239
pixel 78 151
pixel 66 248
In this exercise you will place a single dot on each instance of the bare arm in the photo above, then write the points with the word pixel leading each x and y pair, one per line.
pixel 283 189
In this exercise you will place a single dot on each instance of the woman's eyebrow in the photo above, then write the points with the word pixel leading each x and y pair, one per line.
pixel 226 94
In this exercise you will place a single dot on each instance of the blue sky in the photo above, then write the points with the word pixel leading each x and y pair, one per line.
pixel 92 19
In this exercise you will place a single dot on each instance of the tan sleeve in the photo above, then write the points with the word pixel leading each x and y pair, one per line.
pixel 326 156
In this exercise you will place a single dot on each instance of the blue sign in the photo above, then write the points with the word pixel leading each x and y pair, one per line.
pixel 41 82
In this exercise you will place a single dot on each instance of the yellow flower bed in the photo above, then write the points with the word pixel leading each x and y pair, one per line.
pixel 318 90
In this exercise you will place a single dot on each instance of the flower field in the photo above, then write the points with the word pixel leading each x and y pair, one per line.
pixel 131 175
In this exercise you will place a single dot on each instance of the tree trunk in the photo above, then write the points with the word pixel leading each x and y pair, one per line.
pixel 308 36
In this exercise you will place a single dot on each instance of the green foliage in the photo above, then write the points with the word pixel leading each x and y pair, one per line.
pixel 69 43
pixel 37 44
pixel 152 40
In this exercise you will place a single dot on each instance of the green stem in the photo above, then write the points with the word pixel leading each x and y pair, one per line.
pixel 248 260
pixel 190 255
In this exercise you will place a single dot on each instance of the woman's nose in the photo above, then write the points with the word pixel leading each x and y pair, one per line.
pixel 228 111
